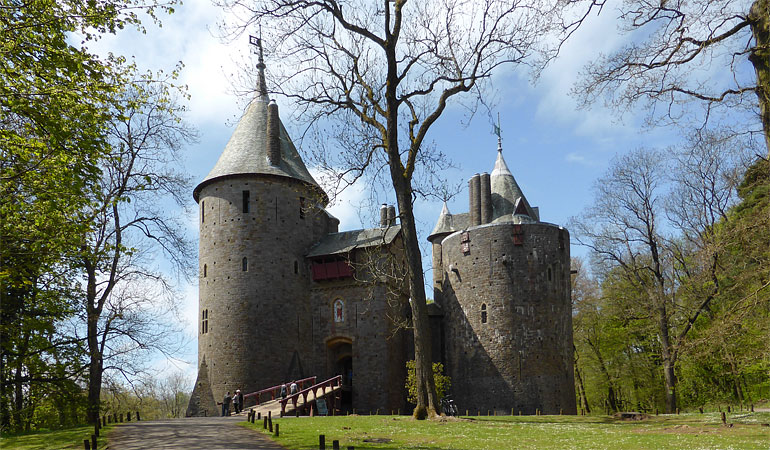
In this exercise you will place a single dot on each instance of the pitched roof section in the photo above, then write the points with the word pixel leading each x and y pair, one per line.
pixel 505 191
pixel 338 243
pixel 246 152
pixel 444 224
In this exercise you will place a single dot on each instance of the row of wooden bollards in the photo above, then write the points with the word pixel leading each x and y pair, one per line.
pixel 335 443
pixel 267 424
pixel 89 444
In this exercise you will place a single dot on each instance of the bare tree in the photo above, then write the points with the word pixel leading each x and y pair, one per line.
pixel 124 290
pixel 691 50
pixel 676 271
pixel 378 75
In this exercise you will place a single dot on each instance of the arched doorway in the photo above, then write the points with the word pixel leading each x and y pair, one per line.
pixel 340 362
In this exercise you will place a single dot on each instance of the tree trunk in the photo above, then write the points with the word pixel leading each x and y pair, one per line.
pixel 427 400
pixel 612 400
pixel 759 17
pixel 95 356
pixel 581 387
pixel 667 359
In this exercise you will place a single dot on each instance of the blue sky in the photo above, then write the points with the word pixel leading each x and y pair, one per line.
pixel 554 150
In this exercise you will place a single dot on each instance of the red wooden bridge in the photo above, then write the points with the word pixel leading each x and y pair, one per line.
pixel 301 403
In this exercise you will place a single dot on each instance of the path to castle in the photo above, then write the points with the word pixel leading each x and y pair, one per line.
pixel 215 433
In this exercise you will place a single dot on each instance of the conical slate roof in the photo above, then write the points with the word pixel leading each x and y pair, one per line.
pixel 246 152
pixel 505 191
pixel 444 224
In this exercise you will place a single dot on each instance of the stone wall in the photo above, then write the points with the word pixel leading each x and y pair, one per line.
pixel 256 311
pixel 516 278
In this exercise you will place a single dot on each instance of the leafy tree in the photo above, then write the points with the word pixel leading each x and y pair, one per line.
pixel 443 382
pixel 379 75
pixel 56 101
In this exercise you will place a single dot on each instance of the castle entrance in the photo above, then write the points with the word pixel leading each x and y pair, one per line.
pixel 340 361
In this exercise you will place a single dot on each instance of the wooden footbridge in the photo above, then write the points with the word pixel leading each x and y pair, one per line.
pixel 269 401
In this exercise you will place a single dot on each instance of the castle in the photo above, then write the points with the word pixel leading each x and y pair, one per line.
pixel 283 294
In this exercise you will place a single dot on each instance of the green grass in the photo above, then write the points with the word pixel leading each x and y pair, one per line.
pixel 685 431
pixel 70 438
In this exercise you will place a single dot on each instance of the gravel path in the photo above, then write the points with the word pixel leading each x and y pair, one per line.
pixel 215 433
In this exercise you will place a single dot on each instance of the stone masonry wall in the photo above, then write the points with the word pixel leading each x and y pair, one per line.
pixel 521 358
pixel 256 314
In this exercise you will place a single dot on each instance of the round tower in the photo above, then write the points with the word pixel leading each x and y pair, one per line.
pixel 258 217
pixel 505 294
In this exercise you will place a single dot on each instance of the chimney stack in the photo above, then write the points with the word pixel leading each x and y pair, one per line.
pixel 474 188
pixel 485 198
pixel 273 134
pixel 391 215
pixel 383 215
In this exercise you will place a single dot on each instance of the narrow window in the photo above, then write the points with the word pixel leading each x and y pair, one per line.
pixel 203 212
pixel 245 201
pixel 302 207
pixel 550 276
pixel 296 267
pixel 204 321
pixel 244 264
pixel 483 313
pixel 204 270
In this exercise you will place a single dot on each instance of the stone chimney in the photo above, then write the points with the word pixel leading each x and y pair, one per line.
pixel 485 198
pixel 383 215
pixel 273 134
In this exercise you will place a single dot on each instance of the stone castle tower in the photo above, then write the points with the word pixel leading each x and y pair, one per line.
pixel 280 294
pixel 284 295
pixel 502 281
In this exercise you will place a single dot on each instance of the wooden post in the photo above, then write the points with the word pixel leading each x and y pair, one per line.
pixel 137 416
pixel 264 423
pixel 561 411
pixel 93 441
pixel 677 411
pixel 270 415
pixel 724 418
pixel 519 412
pixel 752 407
pixel 270 424
pixel 335 445
pixel 729 409
pixel 259 415
pixel 700 410
pixel 276 430
pixel 321 442
pixel 96 428
pixel 128 416
pixel 86 444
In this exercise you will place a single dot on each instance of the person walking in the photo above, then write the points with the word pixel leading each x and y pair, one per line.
pixel 284 392
pixel 293 389
pixel 239 394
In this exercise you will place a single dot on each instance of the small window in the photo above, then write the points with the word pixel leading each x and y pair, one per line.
pixel 550 275
pixel 483 313
pixel 302 207
pixel 296 267
pixel 204 321
pixel 244 264
pixel 245 201
pixel 203 212
pixel 204 270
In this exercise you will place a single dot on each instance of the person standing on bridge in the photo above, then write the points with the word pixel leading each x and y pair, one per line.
pixel 237 401
pixel 283 390
pixel 293 388
pixel 239 394
pixel 226 404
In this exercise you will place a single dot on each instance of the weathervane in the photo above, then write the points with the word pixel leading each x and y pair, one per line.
pixel 499 133
pixel 257 43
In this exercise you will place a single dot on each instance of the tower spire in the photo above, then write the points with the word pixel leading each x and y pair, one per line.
pixel 261 83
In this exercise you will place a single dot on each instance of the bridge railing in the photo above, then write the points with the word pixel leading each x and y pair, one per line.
pixel 274 391
pixel 330 383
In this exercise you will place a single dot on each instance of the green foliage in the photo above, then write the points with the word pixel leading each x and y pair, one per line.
pixel 443 382
pixel 56 104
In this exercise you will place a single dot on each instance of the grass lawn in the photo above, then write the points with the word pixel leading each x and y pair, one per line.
pixel 59 439
pixel 685 431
